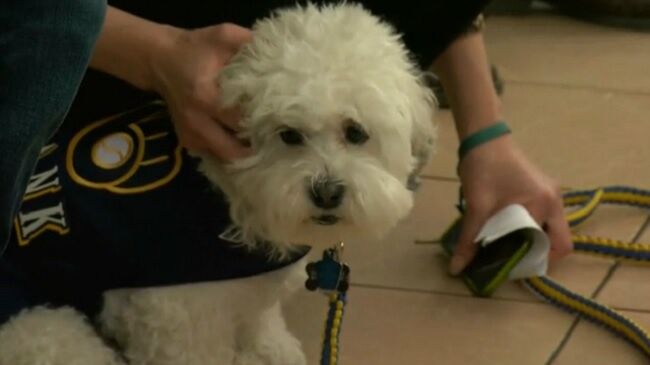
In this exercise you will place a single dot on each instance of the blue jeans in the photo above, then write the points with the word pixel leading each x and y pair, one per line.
pixel 45 48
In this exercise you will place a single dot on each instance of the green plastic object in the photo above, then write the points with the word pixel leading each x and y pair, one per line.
pixel 493 263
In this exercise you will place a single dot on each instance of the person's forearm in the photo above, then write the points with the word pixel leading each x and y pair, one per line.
pixel 463 70
pixel 127 45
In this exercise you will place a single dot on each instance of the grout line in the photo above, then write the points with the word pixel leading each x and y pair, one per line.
pixel 603 283
pixel 615 266
pixel 578 87
pixel 408 290
pixel 442 293
pixel 643 229
pixel 606 279
pixel 565 340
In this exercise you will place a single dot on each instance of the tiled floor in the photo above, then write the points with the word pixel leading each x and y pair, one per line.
pixel 578 98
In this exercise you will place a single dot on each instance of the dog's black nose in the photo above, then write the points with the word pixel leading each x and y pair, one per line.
pixel 327 194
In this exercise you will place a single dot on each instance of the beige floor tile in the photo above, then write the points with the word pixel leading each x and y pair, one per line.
pixel 392 327
pixel 583 138
pixel 593 345
pixel 397 261
pixel 629 286
pixel 560 50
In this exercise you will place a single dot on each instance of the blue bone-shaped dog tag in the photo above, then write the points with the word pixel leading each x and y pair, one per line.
pixel 328 274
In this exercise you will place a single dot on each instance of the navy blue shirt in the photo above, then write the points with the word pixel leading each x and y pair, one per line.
pixel 115 203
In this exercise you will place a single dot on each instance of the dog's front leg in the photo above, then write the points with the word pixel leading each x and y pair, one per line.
pixel 265 340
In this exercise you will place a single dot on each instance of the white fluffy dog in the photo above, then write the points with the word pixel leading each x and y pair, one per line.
pixel 340 121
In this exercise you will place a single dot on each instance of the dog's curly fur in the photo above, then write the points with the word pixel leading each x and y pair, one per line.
pixel 315 71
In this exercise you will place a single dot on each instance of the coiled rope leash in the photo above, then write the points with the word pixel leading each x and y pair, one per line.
pixel 486 274
pixel 332 277
pixel 603 247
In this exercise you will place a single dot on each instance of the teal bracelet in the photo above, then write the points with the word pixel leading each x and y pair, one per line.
pixel 484 135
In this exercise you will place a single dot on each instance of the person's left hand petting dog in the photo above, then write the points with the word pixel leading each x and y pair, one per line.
pixel 182 66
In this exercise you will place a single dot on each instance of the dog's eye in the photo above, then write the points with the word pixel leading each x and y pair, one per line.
pixel 355 134
pixel 292 137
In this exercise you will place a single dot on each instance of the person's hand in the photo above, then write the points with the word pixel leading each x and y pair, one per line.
pixel 185 72
pixel 495 175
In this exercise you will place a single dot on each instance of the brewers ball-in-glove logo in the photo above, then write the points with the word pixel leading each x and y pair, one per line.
pixel 130 153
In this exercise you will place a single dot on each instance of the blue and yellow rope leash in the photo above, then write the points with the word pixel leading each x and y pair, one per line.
pixel 330 353
pixel 332 277
pixel 556 294
pixel 544 287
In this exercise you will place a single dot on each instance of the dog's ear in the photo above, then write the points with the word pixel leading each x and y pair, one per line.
pixel 423 131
